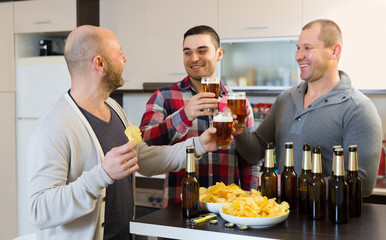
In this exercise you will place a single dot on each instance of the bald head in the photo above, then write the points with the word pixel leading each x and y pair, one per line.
pixel 82 45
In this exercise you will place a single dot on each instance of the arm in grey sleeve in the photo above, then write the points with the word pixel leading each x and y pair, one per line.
pixel 251 145
pixel 364 128
pixel 153 160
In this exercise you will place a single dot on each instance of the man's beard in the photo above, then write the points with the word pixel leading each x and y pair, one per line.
pixel 113 79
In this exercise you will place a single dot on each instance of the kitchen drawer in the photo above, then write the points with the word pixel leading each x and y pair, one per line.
pixel 45 16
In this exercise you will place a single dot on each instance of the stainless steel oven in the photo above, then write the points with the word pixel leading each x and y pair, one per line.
pixel 148 194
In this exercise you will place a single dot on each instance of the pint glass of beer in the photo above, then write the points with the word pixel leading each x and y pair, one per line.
pixel 237 102
pixel 210 84
pixel 223 122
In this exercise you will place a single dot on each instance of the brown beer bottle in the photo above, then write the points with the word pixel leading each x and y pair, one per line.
pixel 332 175
pixel 289 179
pixel 269 178
pixel 190 188
pixel 354 183
pixel 317 188
pixel 339 191
pixel 304 179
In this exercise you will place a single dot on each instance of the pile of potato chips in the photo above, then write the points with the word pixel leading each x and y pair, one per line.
pixel 243 204
pixel 256 206
pixel 220 193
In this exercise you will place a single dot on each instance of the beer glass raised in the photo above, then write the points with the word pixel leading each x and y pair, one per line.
pixel 210 84
pixel 237 102
pixel 223 122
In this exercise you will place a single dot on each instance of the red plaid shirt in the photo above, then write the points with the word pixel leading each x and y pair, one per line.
pixel 165 122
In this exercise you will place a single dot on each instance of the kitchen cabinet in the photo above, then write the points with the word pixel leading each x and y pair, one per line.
pixel 164 31
pixel 151 34
pixel 45 16
pixel 126 19
pixel 8 221
pixel 364 35
pixel 259 18
pixel 7 66
pixel 8 207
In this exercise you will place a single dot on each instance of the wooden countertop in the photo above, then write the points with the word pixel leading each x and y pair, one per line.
pixel 168 223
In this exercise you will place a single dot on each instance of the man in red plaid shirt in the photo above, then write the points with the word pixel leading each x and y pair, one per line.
pixel 175 113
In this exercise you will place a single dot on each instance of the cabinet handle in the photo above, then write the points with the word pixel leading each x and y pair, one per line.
pixel 27 118
pixel 177 73
pixel 43 22
pixel 257 27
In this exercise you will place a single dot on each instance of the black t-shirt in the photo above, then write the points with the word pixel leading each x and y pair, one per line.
pixel 119 195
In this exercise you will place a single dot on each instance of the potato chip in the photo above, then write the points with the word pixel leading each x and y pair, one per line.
pixel 133 134
pixel 220 193
pixel 256 206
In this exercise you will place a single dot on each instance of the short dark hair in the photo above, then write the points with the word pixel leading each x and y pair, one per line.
pixel 330 33
pixel 203 29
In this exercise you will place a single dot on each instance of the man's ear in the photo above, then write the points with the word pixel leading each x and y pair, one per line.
pixel 219 54
pixel 98 63
pixel 336 51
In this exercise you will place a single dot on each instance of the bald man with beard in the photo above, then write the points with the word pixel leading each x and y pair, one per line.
pixel 80 162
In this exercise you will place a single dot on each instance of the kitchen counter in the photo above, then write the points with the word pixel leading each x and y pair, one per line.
pixel 168 223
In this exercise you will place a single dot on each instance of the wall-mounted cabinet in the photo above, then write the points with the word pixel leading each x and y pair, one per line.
pixel 259 18
pixel 45 16
pixel 364 36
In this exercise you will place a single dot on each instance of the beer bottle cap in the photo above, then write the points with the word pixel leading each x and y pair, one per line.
pixel 306 147
pixel 316 149
pixel 269 145
pixel 189 149
pixel 352 148
pixel 289 144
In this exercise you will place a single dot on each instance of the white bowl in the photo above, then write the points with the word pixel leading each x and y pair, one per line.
pixel 211 207
pixel 254 222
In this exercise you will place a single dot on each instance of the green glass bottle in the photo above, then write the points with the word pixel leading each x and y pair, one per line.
pixel 269 178
pixel 304 180
pixel 339 191
pixel 289 179
pixel 332 175
pixel 317 188
pixel 354 183
pixel 190 187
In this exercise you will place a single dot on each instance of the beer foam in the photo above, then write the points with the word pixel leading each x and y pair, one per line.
pixel 221 118
pixel 236 97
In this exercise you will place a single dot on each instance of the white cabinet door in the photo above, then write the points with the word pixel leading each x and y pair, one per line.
pixel 259 18
pixel 45 16
pixel 151 34
pixel 8 166
pixel 126 19
pixel 165 24
pixel 363 25
pixel 7 66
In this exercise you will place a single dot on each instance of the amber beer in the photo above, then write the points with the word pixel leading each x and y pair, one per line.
pixel 223 122
pixel 237 102
pixel 210 84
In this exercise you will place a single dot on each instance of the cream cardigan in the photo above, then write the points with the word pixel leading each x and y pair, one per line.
pixel 67 183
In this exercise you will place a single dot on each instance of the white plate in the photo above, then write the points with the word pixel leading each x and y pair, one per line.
pixel 253 222
pixel 211 207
